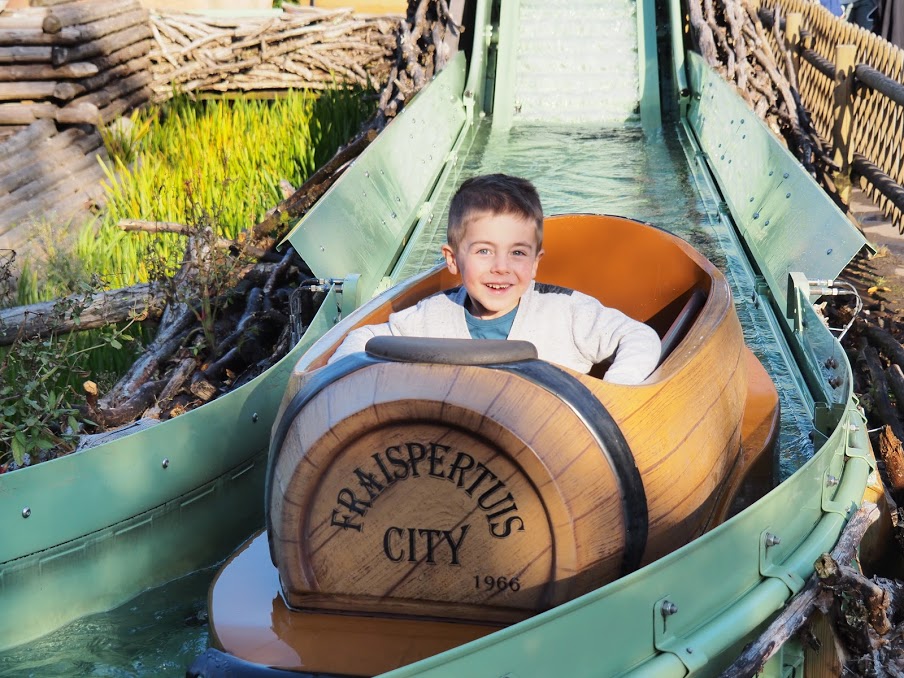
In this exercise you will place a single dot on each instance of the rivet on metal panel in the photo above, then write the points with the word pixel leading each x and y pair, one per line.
pixel 828 251
pixel 254 417
pixel 772 539
pixel 771 172
pixel 787 195
pixel 831 363
pixel 835 382
pixel 785 175
pixel 165 463
pixel 767 222
pixel 668 608
pixel 756 215
pixel 742 121
pixel 322 248
pixel 26 512
pixel 831 481
pixel 751 198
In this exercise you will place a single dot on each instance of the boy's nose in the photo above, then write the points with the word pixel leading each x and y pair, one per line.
pixel 500 263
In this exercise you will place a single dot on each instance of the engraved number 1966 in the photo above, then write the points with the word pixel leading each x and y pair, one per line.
pixel 490 583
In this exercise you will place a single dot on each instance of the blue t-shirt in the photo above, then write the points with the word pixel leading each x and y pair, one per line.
pixel 497 328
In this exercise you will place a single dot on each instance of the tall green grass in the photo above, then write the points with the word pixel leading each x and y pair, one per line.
pixel 224 157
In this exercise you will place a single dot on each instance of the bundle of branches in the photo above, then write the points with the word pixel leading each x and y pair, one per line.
pixel 732 39
pixel 307 48
pixel 865 611
pixel 249 303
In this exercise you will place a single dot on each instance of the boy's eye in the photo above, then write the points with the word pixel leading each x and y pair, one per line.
pixel 483 250
pixel 520 253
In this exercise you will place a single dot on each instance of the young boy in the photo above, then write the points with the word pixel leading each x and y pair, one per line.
pixel 495 238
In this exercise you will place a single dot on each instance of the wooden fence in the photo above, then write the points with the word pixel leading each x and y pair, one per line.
pixel 852 83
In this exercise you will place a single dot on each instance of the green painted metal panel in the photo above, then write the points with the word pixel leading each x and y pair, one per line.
pixel 110 521
pixel 781 212
pixel 648 66
pixel 46 590
pixel 362 222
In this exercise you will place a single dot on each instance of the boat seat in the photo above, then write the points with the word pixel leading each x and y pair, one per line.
pixel 450 351
pixel 682 324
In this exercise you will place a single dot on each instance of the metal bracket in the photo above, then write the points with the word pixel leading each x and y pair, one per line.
pixel 350 292
pixel 665 640
pixel 798 286
pixel 769 567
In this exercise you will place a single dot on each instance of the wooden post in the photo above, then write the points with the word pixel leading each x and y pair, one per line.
pixel 793 22
pixel 843 118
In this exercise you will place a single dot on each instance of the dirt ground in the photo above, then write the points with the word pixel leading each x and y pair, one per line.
pixel 879 279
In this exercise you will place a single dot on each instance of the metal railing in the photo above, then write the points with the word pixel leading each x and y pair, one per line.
pixel 851 82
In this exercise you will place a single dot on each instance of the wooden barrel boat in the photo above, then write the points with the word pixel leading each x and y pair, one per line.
pixel 468 481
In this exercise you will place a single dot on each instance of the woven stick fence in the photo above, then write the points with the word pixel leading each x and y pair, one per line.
pixel 302 49
pixel 852 82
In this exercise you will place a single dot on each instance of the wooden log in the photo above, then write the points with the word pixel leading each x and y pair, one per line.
pixel 129 410
pixel 116 89
pixel 135 53
pixel 23 18
pixel 37 131
pixel 23 55
pixel 26 90
pixel 879 388
pixel 24 114
pixel 110 25
pixel 891 451
pixel 56 183
pixel 896 381
pixel 168 340
pixel 105 45
pixel 78 69
pixel 123 105
pixel 114 306
pixel 64 91
pixel 85 113
pixel 885 342
pixel 48 151
pixel 85 12
pixel 35 37
pixel 803 605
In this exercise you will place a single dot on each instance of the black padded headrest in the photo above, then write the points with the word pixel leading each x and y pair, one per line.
pixel 450 351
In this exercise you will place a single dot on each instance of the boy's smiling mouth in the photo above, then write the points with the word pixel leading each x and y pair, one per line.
pixel 498 286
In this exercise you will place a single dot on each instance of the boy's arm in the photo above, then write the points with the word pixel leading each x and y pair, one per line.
pixel 601 332
pixel 356 340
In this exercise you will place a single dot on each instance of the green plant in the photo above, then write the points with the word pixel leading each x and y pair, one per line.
pixel 122 137
pixel 38 383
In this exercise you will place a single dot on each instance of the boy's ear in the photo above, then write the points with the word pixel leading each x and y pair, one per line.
pixel 537 262
pixel 449 256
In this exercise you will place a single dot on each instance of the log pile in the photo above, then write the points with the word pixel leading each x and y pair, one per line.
pixel 733 40
pixel 59 181
pixel 305 48
pixel 76 63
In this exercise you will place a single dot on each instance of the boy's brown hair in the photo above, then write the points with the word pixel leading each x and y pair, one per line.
pixel 493 194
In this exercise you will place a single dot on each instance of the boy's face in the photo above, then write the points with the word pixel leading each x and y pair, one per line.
pixel 496 259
